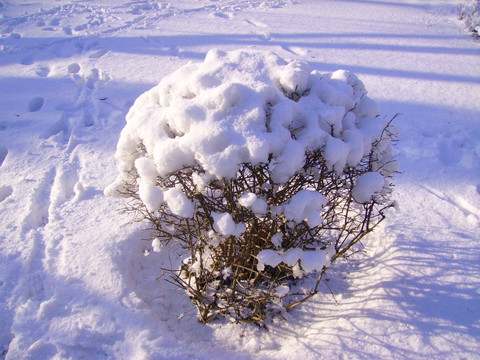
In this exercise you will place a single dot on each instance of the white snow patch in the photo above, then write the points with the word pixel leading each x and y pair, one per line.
pixel 305 205
pixel 367 186
pixel 178 202
pixel 224 224
pixel 252 201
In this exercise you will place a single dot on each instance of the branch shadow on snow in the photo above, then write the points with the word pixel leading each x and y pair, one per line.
pixel 416 303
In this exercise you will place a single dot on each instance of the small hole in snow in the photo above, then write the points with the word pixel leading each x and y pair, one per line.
pixel 35 104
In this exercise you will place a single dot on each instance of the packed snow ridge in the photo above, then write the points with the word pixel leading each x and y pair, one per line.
pixel 249 106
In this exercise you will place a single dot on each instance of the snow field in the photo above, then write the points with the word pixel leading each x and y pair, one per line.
pixel 75 284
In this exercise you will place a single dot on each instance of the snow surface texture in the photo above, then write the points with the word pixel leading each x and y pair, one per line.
pixel 74 284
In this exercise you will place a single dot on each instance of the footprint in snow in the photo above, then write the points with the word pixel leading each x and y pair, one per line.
pixel 35 104
pixel 98 54
pixel 222 15
pixel 86 108
pixel 264 37
pixel 54 22
pixel 80 27
pixel 73 68
pixel 257 24
pixel 60 126
pixel 42 71
pixel 33 286
pixel 65 186
pixel 5 192
pixel 3 154
pixel 39 207
pixel 27 60
pixel 96 79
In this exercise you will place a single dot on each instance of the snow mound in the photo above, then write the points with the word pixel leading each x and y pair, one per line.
pixel 245 106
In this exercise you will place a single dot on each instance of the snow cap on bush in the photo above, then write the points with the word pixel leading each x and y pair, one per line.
pixel 236 107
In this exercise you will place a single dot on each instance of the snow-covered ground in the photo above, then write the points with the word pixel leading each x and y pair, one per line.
pixel 74 280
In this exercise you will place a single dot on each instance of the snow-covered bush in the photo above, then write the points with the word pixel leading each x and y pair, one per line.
pixel 262 172
pixel 470 13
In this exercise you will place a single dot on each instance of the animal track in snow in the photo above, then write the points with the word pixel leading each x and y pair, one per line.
pixel 264 36
pixel 35 104
pixel 95 79
pixel 87 99
pixel 54 22
pixel 84 110
pixel 5 192
pixel 33 286
pixel 67 30
pixel 222 15
pixel 460 148
pixel 3 154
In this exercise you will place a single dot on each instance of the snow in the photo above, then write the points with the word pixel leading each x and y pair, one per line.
pixel 309 261
pixel 277 240
pixel 74 279
pixel 224 224
pixel 252 201
pixel 367 186
pixel 305 204
pixel 178 202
